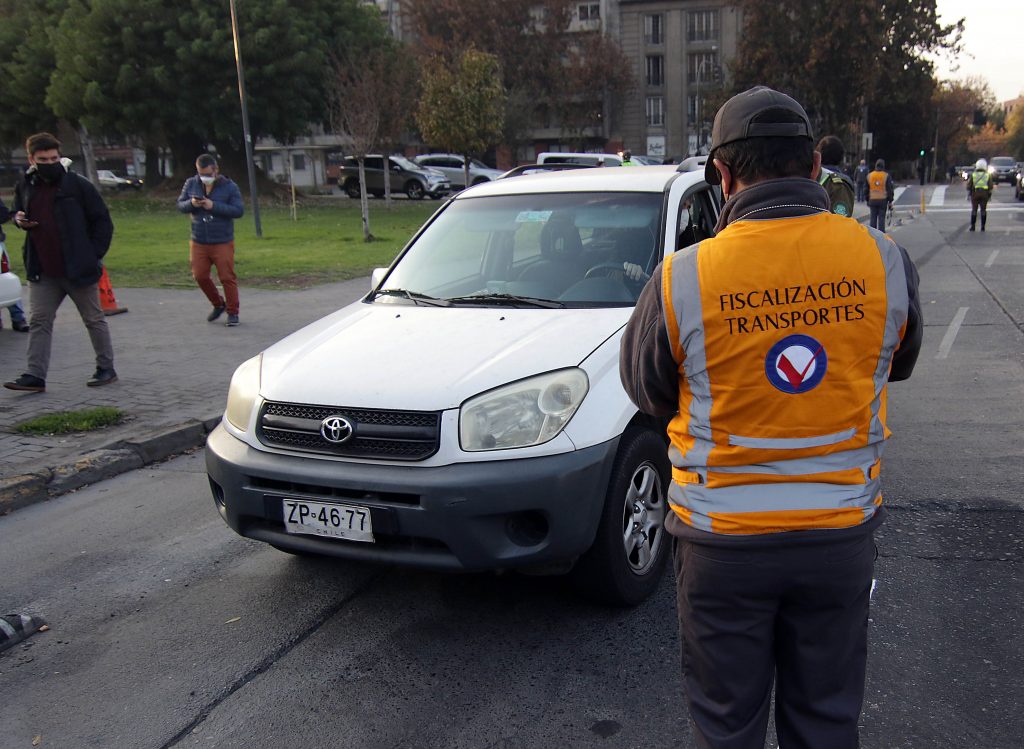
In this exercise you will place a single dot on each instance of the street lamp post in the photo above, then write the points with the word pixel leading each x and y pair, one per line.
pixel 245 121
pixel 699 105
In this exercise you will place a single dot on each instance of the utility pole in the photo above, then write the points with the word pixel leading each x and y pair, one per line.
pixel 245 122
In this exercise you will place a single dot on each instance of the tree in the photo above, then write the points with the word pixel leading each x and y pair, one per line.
pixel 955 103
pixel 1015 127
pixel 368 90
pixel 462 106
pixel 26 59
pixel 545 68
pixel 836 56
pixel 167 72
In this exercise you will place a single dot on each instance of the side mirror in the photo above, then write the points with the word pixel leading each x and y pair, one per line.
pixel 376 277
pixel 396 168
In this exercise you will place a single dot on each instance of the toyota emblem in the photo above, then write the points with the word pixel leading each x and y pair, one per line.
pixel 336 429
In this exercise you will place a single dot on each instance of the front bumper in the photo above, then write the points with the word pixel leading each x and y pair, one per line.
pixel 500 514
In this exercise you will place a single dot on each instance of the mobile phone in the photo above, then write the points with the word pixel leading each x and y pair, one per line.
pixel 199 198
pixel 27 223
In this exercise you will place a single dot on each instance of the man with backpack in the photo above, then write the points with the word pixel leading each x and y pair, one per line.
pixel 832 177
pixel 67 232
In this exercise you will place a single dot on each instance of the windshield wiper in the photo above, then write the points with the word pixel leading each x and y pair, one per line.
pixel 508 299
pixel 413 296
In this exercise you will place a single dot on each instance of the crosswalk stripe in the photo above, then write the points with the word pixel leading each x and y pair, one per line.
pixel 938 197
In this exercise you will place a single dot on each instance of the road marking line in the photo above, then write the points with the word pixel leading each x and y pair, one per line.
pixel 991 258
pixel 899 191
pixel 954 328
pixel 938 197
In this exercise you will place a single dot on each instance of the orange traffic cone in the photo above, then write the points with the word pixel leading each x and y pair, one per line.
pixel 107 299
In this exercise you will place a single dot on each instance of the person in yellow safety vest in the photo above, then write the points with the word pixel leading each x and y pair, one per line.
pixel 979 188
pixel 768 349
pixel 880 194
pixel 627 159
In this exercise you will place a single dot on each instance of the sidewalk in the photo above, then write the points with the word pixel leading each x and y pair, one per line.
pixel 173 368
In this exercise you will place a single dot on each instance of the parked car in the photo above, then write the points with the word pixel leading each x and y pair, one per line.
pixel 467 413
pixel 405 176
pixel 10 284
pixel 1002 168
pixel 109 180
pixel 452 166
pixel 586 159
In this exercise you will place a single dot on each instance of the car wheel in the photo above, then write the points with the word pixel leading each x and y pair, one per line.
pixel 414 190
pixel 352 188
pixel 626 561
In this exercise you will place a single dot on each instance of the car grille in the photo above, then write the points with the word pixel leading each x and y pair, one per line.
pixel 375 434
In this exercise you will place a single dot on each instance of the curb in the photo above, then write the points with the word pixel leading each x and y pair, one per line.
pixel 104 463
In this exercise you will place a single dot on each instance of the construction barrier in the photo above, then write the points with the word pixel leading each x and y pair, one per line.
pixel 107 299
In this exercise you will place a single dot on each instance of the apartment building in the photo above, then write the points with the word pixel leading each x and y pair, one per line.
pixel 681 50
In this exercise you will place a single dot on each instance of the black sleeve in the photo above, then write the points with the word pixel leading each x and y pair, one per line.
pixel 5 213
pixel 905 358
pixel 99 226
pixel 647 366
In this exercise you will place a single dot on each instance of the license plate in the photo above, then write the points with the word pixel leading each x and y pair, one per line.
pixel 328 519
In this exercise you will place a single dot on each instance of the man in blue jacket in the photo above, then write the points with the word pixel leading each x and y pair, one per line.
pixel 67 232
pixel 214 202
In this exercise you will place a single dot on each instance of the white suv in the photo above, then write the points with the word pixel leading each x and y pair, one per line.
pixel 467 414
pixel 453 167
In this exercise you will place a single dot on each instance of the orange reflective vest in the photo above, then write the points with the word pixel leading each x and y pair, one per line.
pixel 784 331
pixel 876 185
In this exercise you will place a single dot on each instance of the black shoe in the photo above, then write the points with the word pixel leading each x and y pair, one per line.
pixel 232 321
pixel 102 377
pixel 217 312
pixel 28 383
pixel 972 228
pixel 20 325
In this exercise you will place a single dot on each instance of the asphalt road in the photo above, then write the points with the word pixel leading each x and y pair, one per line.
pixel 169 631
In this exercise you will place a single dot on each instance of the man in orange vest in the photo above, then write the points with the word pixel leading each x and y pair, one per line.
pixel 769 348
pixel 880 194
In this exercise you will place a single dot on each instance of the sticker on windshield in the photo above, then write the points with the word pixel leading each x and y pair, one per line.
pixel 533 217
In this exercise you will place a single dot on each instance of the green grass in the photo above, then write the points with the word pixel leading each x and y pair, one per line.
pixel 64 422
pixel 150 247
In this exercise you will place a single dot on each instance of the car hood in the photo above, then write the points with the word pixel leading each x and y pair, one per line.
pixel 427 358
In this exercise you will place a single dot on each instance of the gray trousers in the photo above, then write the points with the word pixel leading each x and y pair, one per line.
pixel 45 297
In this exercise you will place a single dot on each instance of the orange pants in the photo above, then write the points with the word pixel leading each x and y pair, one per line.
pixel 222 257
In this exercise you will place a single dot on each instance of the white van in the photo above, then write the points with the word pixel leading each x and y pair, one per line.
pixel 467 414
pixel 583 159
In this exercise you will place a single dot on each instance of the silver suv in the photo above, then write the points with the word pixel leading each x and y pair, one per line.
pixel 452 166
pixel 412 179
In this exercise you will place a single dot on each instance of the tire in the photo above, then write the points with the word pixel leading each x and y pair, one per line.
pixel 352 188
pixel 625 563
pixel 414 190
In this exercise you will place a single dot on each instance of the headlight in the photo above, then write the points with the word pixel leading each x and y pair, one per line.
pixel 525 413
pixel 244 390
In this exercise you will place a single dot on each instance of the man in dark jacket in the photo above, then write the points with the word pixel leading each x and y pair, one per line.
pixel 836 182
pixel 67 232
pixel 214 202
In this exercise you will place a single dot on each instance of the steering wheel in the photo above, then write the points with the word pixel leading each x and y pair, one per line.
pixel 606 269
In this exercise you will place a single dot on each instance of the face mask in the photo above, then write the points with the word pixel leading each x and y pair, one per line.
pixel 207 180
pixel 50 172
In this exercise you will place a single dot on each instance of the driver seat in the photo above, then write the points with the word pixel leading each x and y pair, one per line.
pixel 560 249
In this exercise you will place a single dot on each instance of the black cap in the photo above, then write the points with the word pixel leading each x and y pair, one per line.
pixel 754 114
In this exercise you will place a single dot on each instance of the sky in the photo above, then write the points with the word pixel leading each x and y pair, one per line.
pixel 993 44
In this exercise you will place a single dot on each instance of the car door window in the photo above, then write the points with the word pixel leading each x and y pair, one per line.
pixel 698 215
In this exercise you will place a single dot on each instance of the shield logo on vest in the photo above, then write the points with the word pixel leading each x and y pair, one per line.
pixel 796 364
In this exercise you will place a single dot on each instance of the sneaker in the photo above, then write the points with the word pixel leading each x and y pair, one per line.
pixel 232 321
pixel 102 377
pixel 28 383
pixel 217 312
pixel 20 325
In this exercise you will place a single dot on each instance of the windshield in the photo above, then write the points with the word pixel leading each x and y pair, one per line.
pixel 565 247
pixel 1003 161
